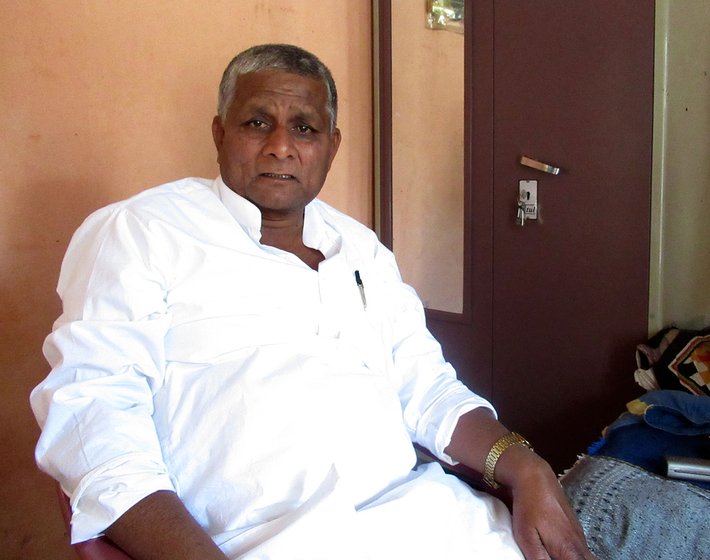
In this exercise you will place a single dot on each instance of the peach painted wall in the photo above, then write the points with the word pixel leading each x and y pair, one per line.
pixel 428 157
pixel 99 100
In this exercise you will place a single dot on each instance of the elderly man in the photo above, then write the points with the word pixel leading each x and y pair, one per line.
pixel 240 372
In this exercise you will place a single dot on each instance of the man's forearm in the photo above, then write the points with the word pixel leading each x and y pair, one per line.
pixel 159 527
pixel 475 434
pixel 473 437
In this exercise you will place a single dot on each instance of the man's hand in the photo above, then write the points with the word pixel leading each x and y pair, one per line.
pixel 544 524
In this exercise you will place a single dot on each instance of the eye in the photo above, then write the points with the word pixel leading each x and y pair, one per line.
pixel 304 129
pixel 256 123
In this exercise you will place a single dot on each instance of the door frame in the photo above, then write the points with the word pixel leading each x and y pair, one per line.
pixel 469 333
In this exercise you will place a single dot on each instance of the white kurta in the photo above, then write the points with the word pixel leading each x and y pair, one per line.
pixel 277 404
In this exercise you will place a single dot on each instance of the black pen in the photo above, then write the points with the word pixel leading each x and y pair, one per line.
pixel 361 287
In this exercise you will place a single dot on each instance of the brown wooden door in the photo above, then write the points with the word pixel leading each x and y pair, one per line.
pixel 558 306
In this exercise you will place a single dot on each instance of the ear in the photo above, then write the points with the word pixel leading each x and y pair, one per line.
pixel 217 133
pixel 334 145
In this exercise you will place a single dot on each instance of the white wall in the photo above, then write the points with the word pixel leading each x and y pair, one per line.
pixel 680 266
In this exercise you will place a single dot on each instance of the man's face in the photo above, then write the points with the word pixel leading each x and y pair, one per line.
pixel 275 146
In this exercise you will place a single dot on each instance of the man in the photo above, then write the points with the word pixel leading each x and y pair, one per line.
pixel 240 372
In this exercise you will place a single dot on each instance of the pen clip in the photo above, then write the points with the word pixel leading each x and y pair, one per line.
pixel 361 288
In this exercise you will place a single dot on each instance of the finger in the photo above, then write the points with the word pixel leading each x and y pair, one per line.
pixel 531 546
pixel 572 516
pixel 569 548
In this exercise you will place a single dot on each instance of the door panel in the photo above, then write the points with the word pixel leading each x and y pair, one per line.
pixel 572 85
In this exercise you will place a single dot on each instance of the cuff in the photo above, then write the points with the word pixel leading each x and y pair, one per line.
pixel 108 491
pixel 437 425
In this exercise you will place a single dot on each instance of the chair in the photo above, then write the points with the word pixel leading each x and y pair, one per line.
pixel 95 549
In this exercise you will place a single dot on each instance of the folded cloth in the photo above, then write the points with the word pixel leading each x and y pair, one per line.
pixel 628 513
pixel 659 424
pixel 646 447
pixel 675 359
pixel 676 412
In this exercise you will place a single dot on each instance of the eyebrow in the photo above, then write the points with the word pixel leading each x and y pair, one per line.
pixel 309 113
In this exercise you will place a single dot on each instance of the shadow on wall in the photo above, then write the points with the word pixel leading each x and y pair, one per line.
pixel 63 178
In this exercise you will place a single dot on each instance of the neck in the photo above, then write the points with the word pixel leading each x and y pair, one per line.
pixel 287 235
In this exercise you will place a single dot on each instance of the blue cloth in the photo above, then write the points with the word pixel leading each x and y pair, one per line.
pixel 675 412
pixel 674 423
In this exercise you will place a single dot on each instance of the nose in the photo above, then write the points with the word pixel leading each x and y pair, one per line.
pixel 279 143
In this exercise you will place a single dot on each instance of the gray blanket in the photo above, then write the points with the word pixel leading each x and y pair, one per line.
pixel 628 513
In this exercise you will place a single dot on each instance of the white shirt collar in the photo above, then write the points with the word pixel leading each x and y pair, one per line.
pixel 316 232
pixel 244 212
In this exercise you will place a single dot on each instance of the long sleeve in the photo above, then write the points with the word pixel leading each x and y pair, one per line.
pixel 107 358
pixel 432 397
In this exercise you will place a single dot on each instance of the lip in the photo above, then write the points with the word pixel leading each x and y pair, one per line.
pixel 278 176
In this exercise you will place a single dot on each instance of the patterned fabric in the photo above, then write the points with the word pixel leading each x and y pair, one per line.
pixel 628 513
pixel 675 359
pixel 692 365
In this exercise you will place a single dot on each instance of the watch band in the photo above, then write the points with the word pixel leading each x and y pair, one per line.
pixel 503 443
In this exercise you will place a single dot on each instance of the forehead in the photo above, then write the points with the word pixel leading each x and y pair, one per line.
pixel 271 89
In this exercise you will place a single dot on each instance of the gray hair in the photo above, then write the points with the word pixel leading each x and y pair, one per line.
pixel 276 57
